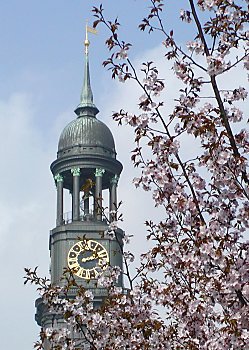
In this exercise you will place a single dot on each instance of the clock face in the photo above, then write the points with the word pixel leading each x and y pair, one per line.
pixel 86 258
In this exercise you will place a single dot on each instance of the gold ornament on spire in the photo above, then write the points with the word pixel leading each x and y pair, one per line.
pixel 89 30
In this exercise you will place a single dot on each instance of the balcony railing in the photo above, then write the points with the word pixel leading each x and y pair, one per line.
pixel 89 216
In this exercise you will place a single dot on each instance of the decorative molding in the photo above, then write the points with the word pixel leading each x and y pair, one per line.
pixel 99 172
pixel 75 171
pixel 58 178
pixel 114 180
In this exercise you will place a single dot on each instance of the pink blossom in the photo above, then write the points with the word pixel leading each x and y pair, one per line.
pixel 216 65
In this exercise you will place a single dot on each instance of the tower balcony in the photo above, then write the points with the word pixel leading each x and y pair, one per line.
pixel 89 215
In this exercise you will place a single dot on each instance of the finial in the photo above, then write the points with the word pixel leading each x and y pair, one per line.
pixel 87 42
pixel 86 106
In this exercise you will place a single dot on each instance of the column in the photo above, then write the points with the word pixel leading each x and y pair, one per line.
pixel 86 206
pixel 98 192
pixel 113 197
pixel 59 185
pixel 76 194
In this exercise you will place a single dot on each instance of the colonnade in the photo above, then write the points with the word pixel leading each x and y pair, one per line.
pixel 97 196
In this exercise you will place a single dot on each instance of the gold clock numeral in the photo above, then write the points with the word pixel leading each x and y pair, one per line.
pixel 81 272
pixel 93 245
pixel 84 245
pixel 103 254
pixel 93 273
pixel 71 260
pixel 76 248
pixel 75 269
pixel 88 274
pixel 73 265
pixel 81 245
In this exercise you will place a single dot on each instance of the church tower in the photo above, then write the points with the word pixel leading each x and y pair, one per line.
pixel 87 167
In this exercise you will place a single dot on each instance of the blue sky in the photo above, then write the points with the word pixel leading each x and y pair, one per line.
pixel 41 73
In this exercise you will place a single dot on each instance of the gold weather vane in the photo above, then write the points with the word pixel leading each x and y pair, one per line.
pixel 89 30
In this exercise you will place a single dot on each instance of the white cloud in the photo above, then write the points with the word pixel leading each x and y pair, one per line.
pixel 26 209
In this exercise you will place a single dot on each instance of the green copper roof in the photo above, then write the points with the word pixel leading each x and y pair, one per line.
pixel 86 136
pixel 86 106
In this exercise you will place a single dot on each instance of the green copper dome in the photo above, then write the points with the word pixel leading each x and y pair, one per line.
pixel 86 135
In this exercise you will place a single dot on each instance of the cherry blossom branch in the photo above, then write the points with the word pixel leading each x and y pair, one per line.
pixel 235 63
pixel 169 37
pixel 199 27
pixel 217 92
pixel 121 247
pixel 90 342
pixel 169 135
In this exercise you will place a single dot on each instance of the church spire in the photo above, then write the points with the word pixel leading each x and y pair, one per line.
pixel 86 106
